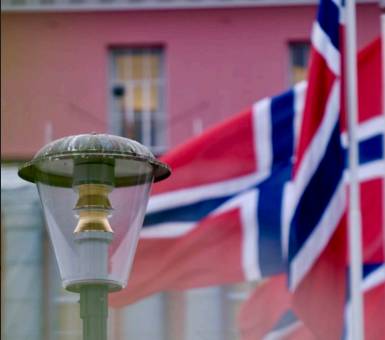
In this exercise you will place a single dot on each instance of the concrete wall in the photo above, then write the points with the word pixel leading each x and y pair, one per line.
pixel 55 66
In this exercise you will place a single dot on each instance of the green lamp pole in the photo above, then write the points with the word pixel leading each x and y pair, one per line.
pixel 85 182
pixel 94 311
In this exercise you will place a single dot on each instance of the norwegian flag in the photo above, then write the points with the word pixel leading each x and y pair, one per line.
pixel 218 218
pixel 264 317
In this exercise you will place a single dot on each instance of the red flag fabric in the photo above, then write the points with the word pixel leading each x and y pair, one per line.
pixel 267 314
pixel 374 305
pixel 262 316
pixel 265 306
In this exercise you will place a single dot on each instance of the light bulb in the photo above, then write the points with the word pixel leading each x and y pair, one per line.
pixel 93 208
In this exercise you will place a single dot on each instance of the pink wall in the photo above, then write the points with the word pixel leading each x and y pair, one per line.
pixel 54 66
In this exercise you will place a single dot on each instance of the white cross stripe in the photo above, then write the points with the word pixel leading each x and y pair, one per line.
pixel 187 196
pixel 167 230
pixel 367 129
pixel 374 279
pixel 322 43
pixel 262 134
pixel 299 104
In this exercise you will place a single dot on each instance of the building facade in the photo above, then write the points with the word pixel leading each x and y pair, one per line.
pixel 159 71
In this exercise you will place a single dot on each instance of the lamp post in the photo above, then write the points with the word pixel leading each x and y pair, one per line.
pixel 94 190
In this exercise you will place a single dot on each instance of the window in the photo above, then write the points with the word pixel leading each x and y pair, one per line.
pixel 299 58
pixel 137 92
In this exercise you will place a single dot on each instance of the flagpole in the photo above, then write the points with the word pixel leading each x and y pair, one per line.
pixel 355 238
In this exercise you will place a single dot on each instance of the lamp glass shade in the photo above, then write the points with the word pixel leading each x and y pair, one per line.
pixel 94 189
pixel 94 228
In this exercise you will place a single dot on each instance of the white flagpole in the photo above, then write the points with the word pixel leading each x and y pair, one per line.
pixel 355 233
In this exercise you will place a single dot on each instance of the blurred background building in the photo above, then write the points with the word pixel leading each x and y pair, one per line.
pixel 159 71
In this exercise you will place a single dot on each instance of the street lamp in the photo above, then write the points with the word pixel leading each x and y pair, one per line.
pixel 94 190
